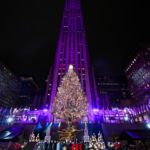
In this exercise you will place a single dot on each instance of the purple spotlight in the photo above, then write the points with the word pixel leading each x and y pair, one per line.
pixel 45 110
pixel 24 119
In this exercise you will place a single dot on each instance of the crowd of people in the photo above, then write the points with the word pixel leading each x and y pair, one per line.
pixel 56 145
pixel 3 147
pixel 134 145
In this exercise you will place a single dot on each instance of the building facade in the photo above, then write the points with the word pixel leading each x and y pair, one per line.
pixel 116 87
pixel 72 49
pixel 38 101
pixel 29 87
pixel 137 70
pixel 9 85
pixel 103 101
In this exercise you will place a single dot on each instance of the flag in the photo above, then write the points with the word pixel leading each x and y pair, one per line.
pixel 149 103
pixel 130 111
pixel 147 108
pixel 24 111
pixel 15 110
pixel 10 110
pixel 134 110
pixel 29 109
pixel 5 111
pixel 20 109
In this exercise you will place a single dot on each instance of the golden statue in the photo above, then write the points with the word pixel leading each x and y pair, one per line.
pixel 68 135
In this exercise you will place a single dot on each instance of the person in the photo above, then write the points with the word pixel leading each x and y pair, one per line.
pixel 58 145
pixel 46 145
pixel 67 145
pixel 80 146
pixel 51 145
pixel 83 145
pixel 61 145
pixel 87 146
pixel 64 145
pixel 55 145
pixel 76 144
pixel 70 145
pixel 73 147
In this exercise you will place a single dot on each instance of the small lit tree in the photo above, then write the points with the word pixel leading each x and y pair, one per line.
pixel 21 138
pixel 70 102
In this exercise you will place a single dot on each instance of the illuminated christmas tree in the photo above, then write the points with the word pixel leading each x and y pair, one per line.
pixel 70 102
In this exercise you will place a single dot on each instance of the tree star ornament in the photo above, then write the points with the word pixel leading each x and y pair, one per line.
pixel 70 67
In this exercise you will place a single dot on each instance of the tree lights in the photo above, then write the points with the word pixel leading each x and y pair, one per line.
pixel 70 102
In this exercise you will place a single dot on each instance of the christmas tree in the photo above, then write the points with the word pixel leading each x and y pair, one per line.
pixel 21 138
pixel 70 102
pixel 96 144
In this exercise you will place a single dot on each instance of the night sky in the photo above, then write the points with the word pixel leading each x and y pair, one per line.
pixel 29 32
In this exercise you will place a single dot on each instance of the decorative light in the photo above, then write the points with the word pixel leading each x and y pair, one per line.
pixel 59 124
pixel 9 119
pixel 70 67
pixel 126 118
pixel 45 110
pixel 148 125
pixel 107 118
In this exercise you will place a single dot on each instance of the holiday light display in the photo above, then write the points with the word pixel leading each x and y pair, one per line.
pixel 95 144
pixel 70 102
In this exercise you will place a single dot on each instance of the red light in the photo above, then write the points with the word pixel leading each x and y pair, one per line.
pixel 59 68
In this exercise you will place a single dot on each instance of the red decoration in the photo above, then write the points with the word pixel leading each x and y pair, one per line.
pixel 17 146
pixel 117 145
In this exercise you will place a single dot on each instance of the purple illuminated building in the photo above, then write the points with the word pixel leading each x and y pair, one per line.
pixel 72 49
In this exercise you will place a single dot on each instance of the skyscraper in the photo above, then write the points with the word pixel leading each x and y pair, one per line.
pixel 9 85
pixel 116 87
pixel 137 70
pixel 72 49
pixel 28 90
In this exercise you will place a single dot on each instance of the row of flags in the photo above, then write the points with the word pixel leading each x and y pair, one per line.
pixel 134 110
pixel 13 111
pixel 138 109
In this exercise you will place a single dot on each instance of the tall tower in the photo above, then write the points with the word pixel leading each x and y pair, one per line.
pixel 72 49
